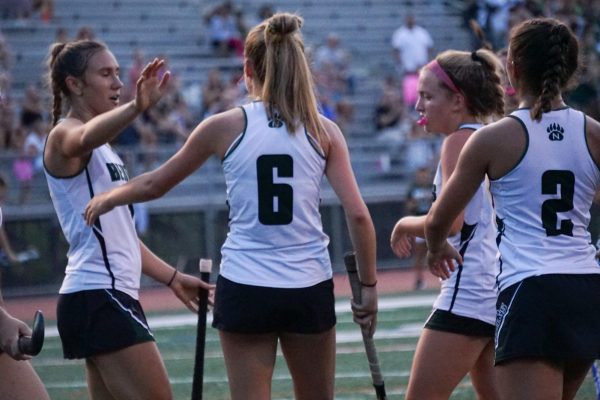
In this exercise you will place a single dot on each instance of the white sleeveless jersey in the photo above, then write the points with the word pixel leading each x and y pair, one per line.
pixel 543 203
pixel 471 290
pixel 106 255
pixel 273 180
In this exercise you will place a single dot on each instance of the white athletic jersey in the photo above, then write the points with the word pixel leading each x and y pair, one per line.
pixel 273 179
pixel 106 255
pixel 471 290
pixel 542 204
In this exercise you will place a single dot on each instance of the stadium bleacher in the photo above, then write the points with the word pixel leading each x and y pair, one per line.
pixel 176 29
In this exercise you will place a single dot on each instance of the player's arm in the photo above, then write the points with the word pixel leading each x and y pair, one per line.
pixel 79 139
pixel 470 171
pixel 362 232
pixel 184 286
pixel 203 142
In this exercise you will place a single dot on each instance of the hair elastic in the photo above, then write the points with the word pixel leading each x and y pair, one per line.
pixel 435 67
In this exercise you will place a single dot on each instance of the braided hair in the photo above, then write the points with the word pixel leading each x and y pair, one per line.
pixel 545 53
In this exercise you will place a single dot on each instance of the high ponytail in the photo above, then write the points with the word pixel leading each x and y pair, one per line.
pixel 275 50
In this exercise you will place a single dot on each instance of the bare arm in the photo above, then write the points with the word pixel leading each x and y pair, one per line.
pixel 362 232
pixel 184 286
pixel 469 173
pixel 207 139
pixel 414 226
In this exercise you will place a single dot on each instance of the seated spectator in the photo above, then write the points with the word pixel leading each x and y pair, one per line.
pixel 61 35
pixel 33 148
pixel 212 90
pixel 332 56
pixel 16 9
pixel 389 110
pixel 85 33
pixel 6 55
pixel 225 36
pixel 133 72
pixel 32 106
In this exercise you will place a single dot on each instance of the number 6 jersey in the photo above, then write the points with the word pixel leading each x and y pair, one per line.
pixel 273 179
pixel 540 230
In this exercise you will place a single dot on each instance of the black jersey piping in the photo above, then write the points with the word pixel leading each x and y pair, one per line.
pixel 97 229
pixel 238 140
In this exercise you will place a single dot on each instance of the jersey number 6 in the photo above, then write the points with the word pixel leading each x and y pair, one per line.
pixel 275 200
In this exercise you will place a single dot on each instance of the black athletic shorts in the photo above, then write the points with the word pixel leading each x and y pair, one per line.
pixel 554 317
pixel 445 321
pixel 258 309
pixel 93 322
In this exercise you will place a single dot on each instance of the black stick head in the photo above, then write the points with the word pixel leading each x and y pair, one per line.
pixel 32 345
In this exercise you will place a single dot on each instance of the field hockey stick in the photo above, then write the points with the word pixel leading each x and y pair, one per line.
pixel 355 285
pixel 32 345
pixel 198 381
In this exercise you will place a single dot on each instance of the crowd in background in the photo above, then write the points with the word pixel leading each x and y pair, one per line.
pixel 24 121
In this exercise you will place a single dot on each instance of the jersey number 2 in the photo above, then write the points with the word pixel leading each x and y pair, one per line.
pixel 275 200
pixel 550 208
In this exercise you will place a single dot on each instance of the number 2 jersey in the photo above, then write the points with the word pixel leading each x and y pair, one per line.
pixel 542 204
pixel 273 180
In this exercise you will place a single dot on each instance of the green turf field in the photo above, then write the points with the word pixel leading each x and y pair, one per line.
pixel 400 321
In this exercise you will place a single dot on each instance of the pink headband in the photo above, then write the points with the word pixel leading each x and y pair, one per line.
pixel 435 67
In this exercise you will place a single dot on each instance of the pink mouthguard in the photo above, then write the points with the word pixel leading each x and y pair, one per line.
pixel 422 121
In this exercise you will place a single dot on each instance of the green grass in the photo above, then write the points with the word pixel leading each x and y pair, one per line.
pixel 65 379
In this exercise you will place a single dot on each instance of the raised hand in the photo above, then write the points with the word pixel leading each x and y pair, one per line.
pixel 149 89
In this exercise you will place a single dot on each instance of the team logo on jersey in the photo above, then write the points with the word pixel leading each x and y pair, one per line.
pixel 275 121
pixel 555 132
pixel 117 172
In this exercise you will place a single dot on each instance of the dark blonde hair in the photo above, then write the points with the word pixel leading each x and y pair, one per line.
pixel 275 51
pixel 68 59
pixel 545 52
pixel 478 76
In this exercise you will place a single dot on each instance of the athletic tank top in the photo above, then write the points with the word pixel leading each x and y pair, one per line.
pixel 543 203
pixel 273 180
pixel 471 290
pixel 106 255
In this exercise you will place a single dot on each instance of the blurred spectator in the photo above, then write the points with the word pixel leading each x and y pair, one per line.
pixel 265 11
pixel 418 201
pixel 413 47
pixel 22 165
pixel 332 66
pixel 32 106
pixel 85 33
pixel 35 139
pixel 332 55
pixel 212 90
pixel 45 8
pixel 133 73
pixel 224 30
pixel 6 55
pixel 389 109
pixel 16 9
pixel 61 35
